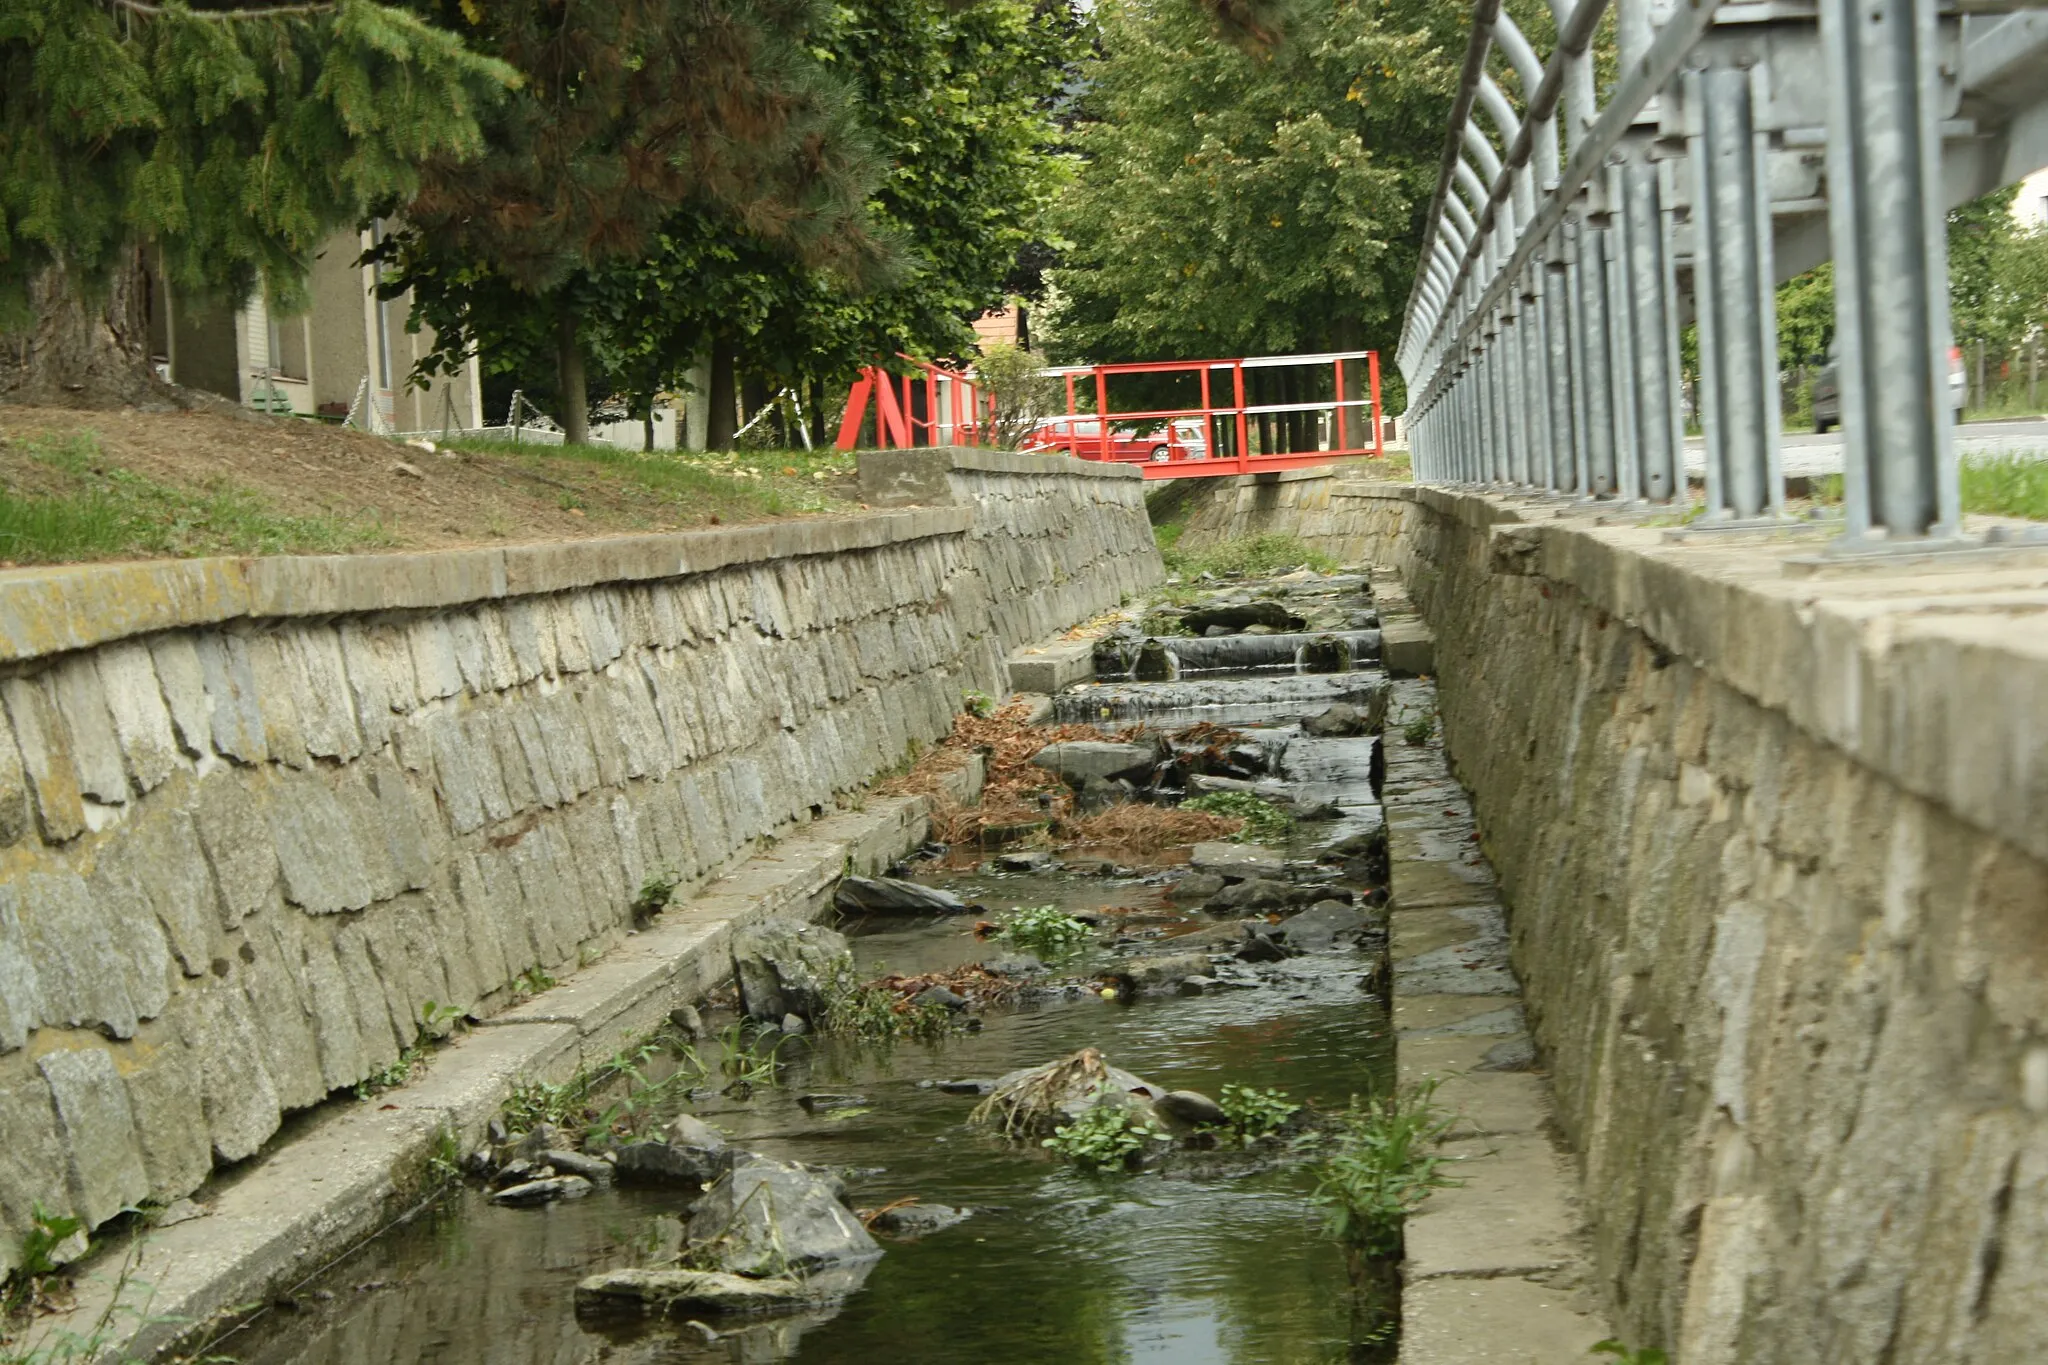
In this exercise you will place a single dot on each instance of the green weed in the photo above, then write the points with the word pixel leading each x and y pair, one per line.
pixel 1249 556
pixel 977 703
pixel 1264 822
pixel 1419 729
pixel 1047 931
pixel 854 1009
pixel 533 981
pixel 1381 1165
pixel 743 1059
pixel 1104 1138
pixel 2014 485
pixel 654 896
pixel 1254 1113
pixel 1649 1355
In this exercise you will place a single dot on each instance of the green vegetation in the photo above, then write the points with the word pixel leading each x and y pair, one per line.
pixel 1107 1137
pixel 88 509
pixel 1249 556
pixel 2014 485
pixel 533 981
pixel 1262 201
pixel 1419 728
pixel 977 703
pixel 1381 1165
pixel 1624 1356
pixel 654 895
pixel 1047 931
pixel 736 486
pixel 1264 822
pixel 749 1055
pixel 874 1013
pixel 572 1103
pixel 1255 1113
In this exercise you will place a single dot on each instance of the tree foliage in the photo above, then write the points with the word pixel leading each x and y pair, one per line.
pixel 1268 200
pixel 229 144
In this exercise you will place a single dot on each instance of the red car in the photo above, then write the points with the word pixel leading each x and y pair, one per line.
pixel 1082 436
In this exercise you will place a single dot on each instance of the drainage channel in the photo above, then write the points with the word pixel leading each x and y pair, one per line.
pixel 1203 966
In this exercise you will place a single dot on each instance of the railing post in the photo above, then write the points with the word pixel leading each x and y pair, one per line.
pixel 1557 337
pixel 1886 97
pixel 1513 410
pixel 1535 383
pixel 1734 296
pixel 1652 301
pixel 1596 379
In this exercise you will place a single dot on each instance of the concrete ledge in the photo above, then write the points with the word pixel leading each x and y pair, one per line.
pixel 923 477
pixel 1408 649
pixel 1051 666
pixel 346 1169
pixel 50 611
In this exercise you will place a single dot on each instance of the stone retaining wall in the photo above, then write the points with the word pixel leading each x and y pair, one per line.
pixel 261 820
pixel 1770 834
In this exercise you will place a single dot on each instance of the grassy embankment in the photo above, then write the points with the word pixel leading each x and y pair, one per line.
pixel 77 487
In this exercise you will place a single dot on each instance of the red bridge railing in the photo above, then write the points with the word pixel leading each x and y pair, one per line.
pixel 1244 435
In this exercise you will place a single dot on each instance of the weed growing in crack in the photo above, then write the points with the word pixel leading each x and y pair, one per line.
pixel 1382 1163
pixel 1047 931
pixel 1254 1113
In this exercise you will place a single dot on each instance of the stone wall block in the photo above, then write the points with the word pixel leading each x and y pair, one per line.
pixel 654 673
pixel 323 698
pixel 524 618
pixel 17 802
pixel 410 960
pixel 565 623
pixel 274 663
pixel 183 680
pixel 161 869
pixel 437 672
pixel 365 817
pixel 95 749
pixel 21 991
pixel 497 725
pixel 366 660
pixel 236 1092
pixel 231 688
pixel 567 736
pixel 472 654
pixel 483 929
pixel 501 667
pixel 85 973
pixel 34 1165
pixel 478 732
pixel 170 1121
pixel 547 876
pixel 45 749
pixel 142 723
pixel 384 1030
pixel 594 702
pixel 497 896
pixel 525 724
pixel 285 1032
pixel 317 850
pixel 456 778
pixel 239 846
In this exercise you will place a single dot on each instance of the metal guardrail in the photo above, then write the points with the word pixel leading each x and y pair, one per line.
pixel 1742 143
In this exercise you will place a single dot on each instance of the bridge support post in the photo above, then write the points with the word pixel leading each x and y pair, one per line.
pixel 1557 336
pixel 1886 98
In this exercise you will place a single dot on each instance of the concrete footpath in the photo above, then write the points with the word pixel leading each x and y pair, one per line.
pixel 344 1170
pixel 1497 1269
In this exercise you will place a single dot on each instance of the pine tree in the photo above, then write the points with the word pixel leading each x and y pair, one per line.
pixel 221 145
pixel 629 112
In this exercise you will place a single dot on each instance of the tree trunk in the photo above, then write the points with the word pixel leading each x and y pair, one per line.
pixel 647 428
pixel 571 379
pixel 722 397
pixel 82 352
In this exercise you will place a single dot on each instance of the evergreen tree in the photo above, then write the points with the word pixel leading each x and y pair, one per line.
pixel 220 144
pixel 629 111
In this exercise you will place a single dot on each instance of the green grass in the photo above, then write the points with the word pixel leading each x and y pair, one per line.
pixel 2013 485
pixel 1247 555
pixel 728 484
pixel 1264 822
pixel 104 511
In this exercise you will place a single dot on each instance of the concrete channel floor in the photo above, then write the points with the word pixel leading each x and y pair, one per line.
pixel 1497 1269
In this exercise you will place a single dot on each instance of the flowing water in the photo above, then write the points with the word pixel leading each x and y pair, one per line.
pixel 1056 1266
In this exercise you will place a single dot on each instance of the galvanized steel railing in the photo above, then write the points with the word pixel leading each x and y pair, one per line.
pixel 1742 143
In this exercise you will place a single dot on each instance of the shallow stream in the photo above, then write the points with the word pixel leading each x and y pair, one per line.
pixel 1226 1265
